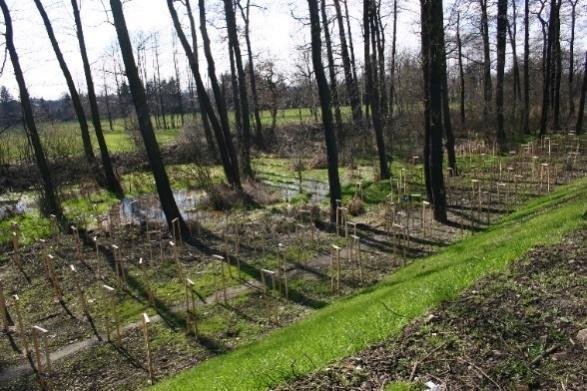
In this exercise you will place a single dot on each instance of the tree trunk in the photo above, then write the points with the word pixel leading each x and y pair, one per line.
pixel 581 110
pixel 158 86
pixel 392 66
pixel 75 99
pixel 112 182
pixel 351 44
pixel 517 90
pixel 572 59
pixel 372 88
pixel 227 157
pixel 106 98
pixel 526 111
pixel 144 117
pixel 557 69
pixel 331 70
pixel 546 88
pixel 446 117
pixel 246 15
pixel 218 97
pixel 50 204
pixel 178 90
pixel 487 89
pixel 461 72
pixel 350 81
pixel 329 133
pixel 433 53
pixel 502 8
pixel 242 86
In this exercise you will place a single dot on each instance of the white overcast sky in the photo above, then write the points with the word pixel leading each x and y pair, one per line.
pixel 276 34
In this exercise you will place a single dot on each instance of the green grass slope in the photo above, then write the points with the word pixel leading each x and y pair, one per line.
pixel 381 311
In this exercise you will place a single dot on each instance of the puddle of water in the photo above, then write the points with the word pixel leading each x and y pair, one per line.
pixel 148 207
pixel 318 190
pixel 16 205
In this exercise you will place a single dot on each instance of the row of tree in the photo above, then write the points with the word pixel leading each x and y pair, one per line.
pixel 371 92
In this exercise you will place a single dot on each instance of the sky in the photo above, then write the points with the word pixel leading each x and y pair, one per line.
pixel 277 31
pixel 278 28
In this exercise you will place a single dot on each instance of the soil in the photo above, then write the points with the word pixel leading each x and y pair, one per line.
pixel 516 330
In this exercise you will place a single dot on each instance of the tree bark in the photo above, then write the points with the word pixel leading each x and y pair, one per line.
pixel 557 69
pixel 112 182
pixel 392 66
pixel 581 110
pixel 331 70
pixel 461 73
pixel 242 85
pixel 446 116
pixel 351 44
pixel 139 97
pixel 502 7
pixel 246 15
pixel 433 53
pixel 218 97
pixel 350 80
pixel 526 111
pixel 548 59
pixel 75 99
pixel 323 90
pixel 372 88
pixel 487 88
pixel 572 58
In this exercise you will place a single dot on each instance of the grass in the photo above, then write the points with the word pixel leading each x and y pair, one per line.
pixel 380 312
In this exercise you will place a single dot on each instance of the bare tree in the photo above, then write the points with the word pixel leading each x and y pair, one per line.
pixel 573 4
pixel 221 132
pixel 139 97
pixel 331 69
pixel 112 182
pixel 246 16
pixel 50 204
pixel 502 6
pixel 487 89
pixel 581 111
pixel 234 44
pixel 571 88
pixel 324 92
pixel 75 98
pixel 526 111
pixel 432 62
pixel 372 96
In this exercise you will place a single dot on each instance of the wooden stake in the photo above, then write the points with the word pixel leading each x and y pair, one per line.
pixel 190 303
pixel 146 322
pixel 50 267
pixel 335 269
pixel 20 324
pixel 220 259
pixel 4 309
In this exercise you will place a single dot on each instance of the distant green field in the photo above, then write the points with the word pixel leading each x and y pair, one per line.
pixel 63 138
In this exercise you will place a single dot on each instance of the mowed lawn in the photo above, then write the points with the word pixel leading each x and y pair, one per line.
pixel 380 312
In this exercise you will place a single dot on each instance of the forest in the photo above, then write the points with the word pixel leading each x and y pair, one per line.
pixel 293 195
